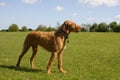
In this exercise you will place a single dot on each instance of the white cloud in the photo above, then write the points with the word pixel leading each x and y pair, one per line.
pixel 2 4
pixel 74 15
pixel 59 8
pixel 30 1
pixel 96 3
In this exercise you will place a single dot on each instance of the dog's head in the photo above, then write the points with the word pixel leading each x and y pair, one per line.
pixel 69 26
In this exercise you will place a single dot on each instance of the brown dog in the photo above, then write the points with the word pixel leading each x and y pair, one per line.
pixel 51 41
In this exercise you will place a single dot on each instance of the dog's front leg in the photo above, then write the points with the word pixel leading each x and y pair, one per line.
pixel 51 61
pixel 60 62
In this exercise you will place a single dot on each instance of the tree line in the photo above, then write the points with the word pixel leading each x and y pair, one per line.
pixel 101 27
pixel 15 28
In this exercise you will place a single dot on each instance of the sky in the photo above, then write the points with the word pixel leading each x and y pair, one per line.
pixel 32 13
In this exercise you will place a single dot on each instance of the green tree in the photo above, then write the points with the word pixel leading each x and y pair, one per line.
pixel 94 27
pixel 114 26
pixel 83 29
pixel 29 29
pixel 117 29
pixel 41 28
pixel 24 28
pixel 86 26
pixel 13 28
pixel 50 29
pixel 103 27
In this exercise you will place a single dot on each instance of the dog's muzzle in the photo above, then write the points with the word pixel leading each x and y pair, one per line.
pixel 78 29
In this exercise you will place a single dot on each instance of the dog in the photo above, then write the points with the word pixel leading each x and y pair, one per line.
pixel 53 42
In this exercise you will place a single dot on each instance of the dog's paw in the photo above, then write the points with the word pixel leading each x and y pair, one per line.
pixel 63 71
pixel 18 66
pixel 33 67
pixel 48 73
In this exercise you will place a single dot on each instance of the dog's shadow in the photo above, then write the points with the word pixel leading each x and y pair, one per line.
pixel 23 69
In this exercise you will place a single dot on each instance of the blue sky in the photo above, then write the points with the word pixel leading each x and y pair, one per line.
pixel 32 13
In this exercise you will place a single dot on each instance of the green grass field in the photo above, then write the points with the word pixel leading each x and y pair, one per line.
pixel 89 56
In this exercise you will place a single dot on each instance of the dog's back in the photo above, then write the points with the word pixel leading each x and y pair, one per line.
pixel 46 40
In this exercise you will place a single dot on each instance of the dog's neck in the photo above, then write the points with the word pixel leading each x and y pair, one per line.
pixel 63 34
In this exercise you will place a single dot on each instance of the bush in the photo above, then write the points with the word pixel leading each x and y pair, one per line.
pixel 24 29
pixel 13 28
pixel 83 29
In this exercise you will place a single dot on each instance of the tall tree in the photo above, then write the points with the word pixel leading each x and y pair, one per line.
pixel 103 27
pixel 94 27
pixel 119 28
pixel 113 26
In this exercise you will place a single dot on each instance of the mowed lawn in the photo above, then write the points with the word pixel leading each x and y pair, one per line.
pixel 88 56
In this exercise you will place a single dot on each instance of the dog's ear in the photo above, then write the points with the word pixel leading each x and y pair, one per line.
pixel 65 28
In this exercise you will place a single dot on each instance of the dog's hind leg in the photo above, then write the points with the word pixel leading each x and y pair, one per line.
pixel 35 49
pixel 25 49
